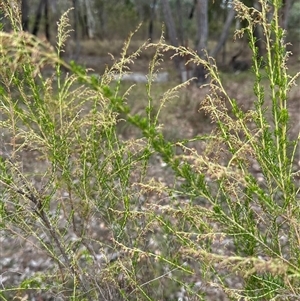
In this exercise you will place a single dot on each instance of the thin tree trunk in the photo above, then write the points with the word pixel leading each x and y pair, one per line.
pixel 75 24
pixel 90 20
pixel 202 22
pixel 38 17
pixel 152 16
pixel 81 18
pixel 25 14
pixel 180 21
pixel 170 24
pixel 285 12
pixel 191 15
pixel 47 23
pixel 55 13
pixel 224 34
pixel 102 19
pixel 76 38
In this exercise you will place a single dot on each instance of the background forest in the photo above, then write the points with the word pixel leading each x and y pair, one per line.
pixel 100 26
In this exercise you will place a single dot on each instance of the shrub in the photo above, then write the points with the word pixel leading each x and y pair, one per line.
pixel 86 202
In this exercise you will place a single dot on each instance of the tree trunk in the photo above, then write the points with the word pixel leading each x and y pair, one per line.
pixel 90 20
pixel 47 23
pixel 102 18
pixel 54 8
pixel 224 35
pixel 180 21
pixel 151 21
pixel 170 24
pixel 81 18
pixel 202 25
pixel 285 12
pixel 76 37
pixel 38 17
pixel 25 14
pixel 43 7
pixel 191 14
pixel 75 24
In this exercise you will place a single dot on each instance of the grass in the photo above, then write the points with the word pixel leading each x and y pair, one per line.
pixel 156 210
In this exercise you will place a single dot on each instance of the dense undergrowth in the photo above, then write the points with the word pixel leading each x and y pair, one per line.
pixel 112 232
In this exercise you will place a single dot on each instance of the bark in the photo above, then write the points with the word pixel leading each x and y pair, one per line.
pixel 225 32
pixel 38 17
pixel 151 21
pixel 75 25
pixel 170 24
pixel 43 7
pixel 180 21
pixel 25 14
pixel 202 22
pixel 76 37
pixel 285 12
pixel 202 25
pixel 90 20
pixel 102 19
pixel 47 21
pixel 55 14
pixel 191 15
pixel 86 18
pixel 80 11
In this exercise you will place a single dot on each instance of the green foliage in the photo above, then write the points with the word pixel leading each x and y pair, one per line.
pixel 87 204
